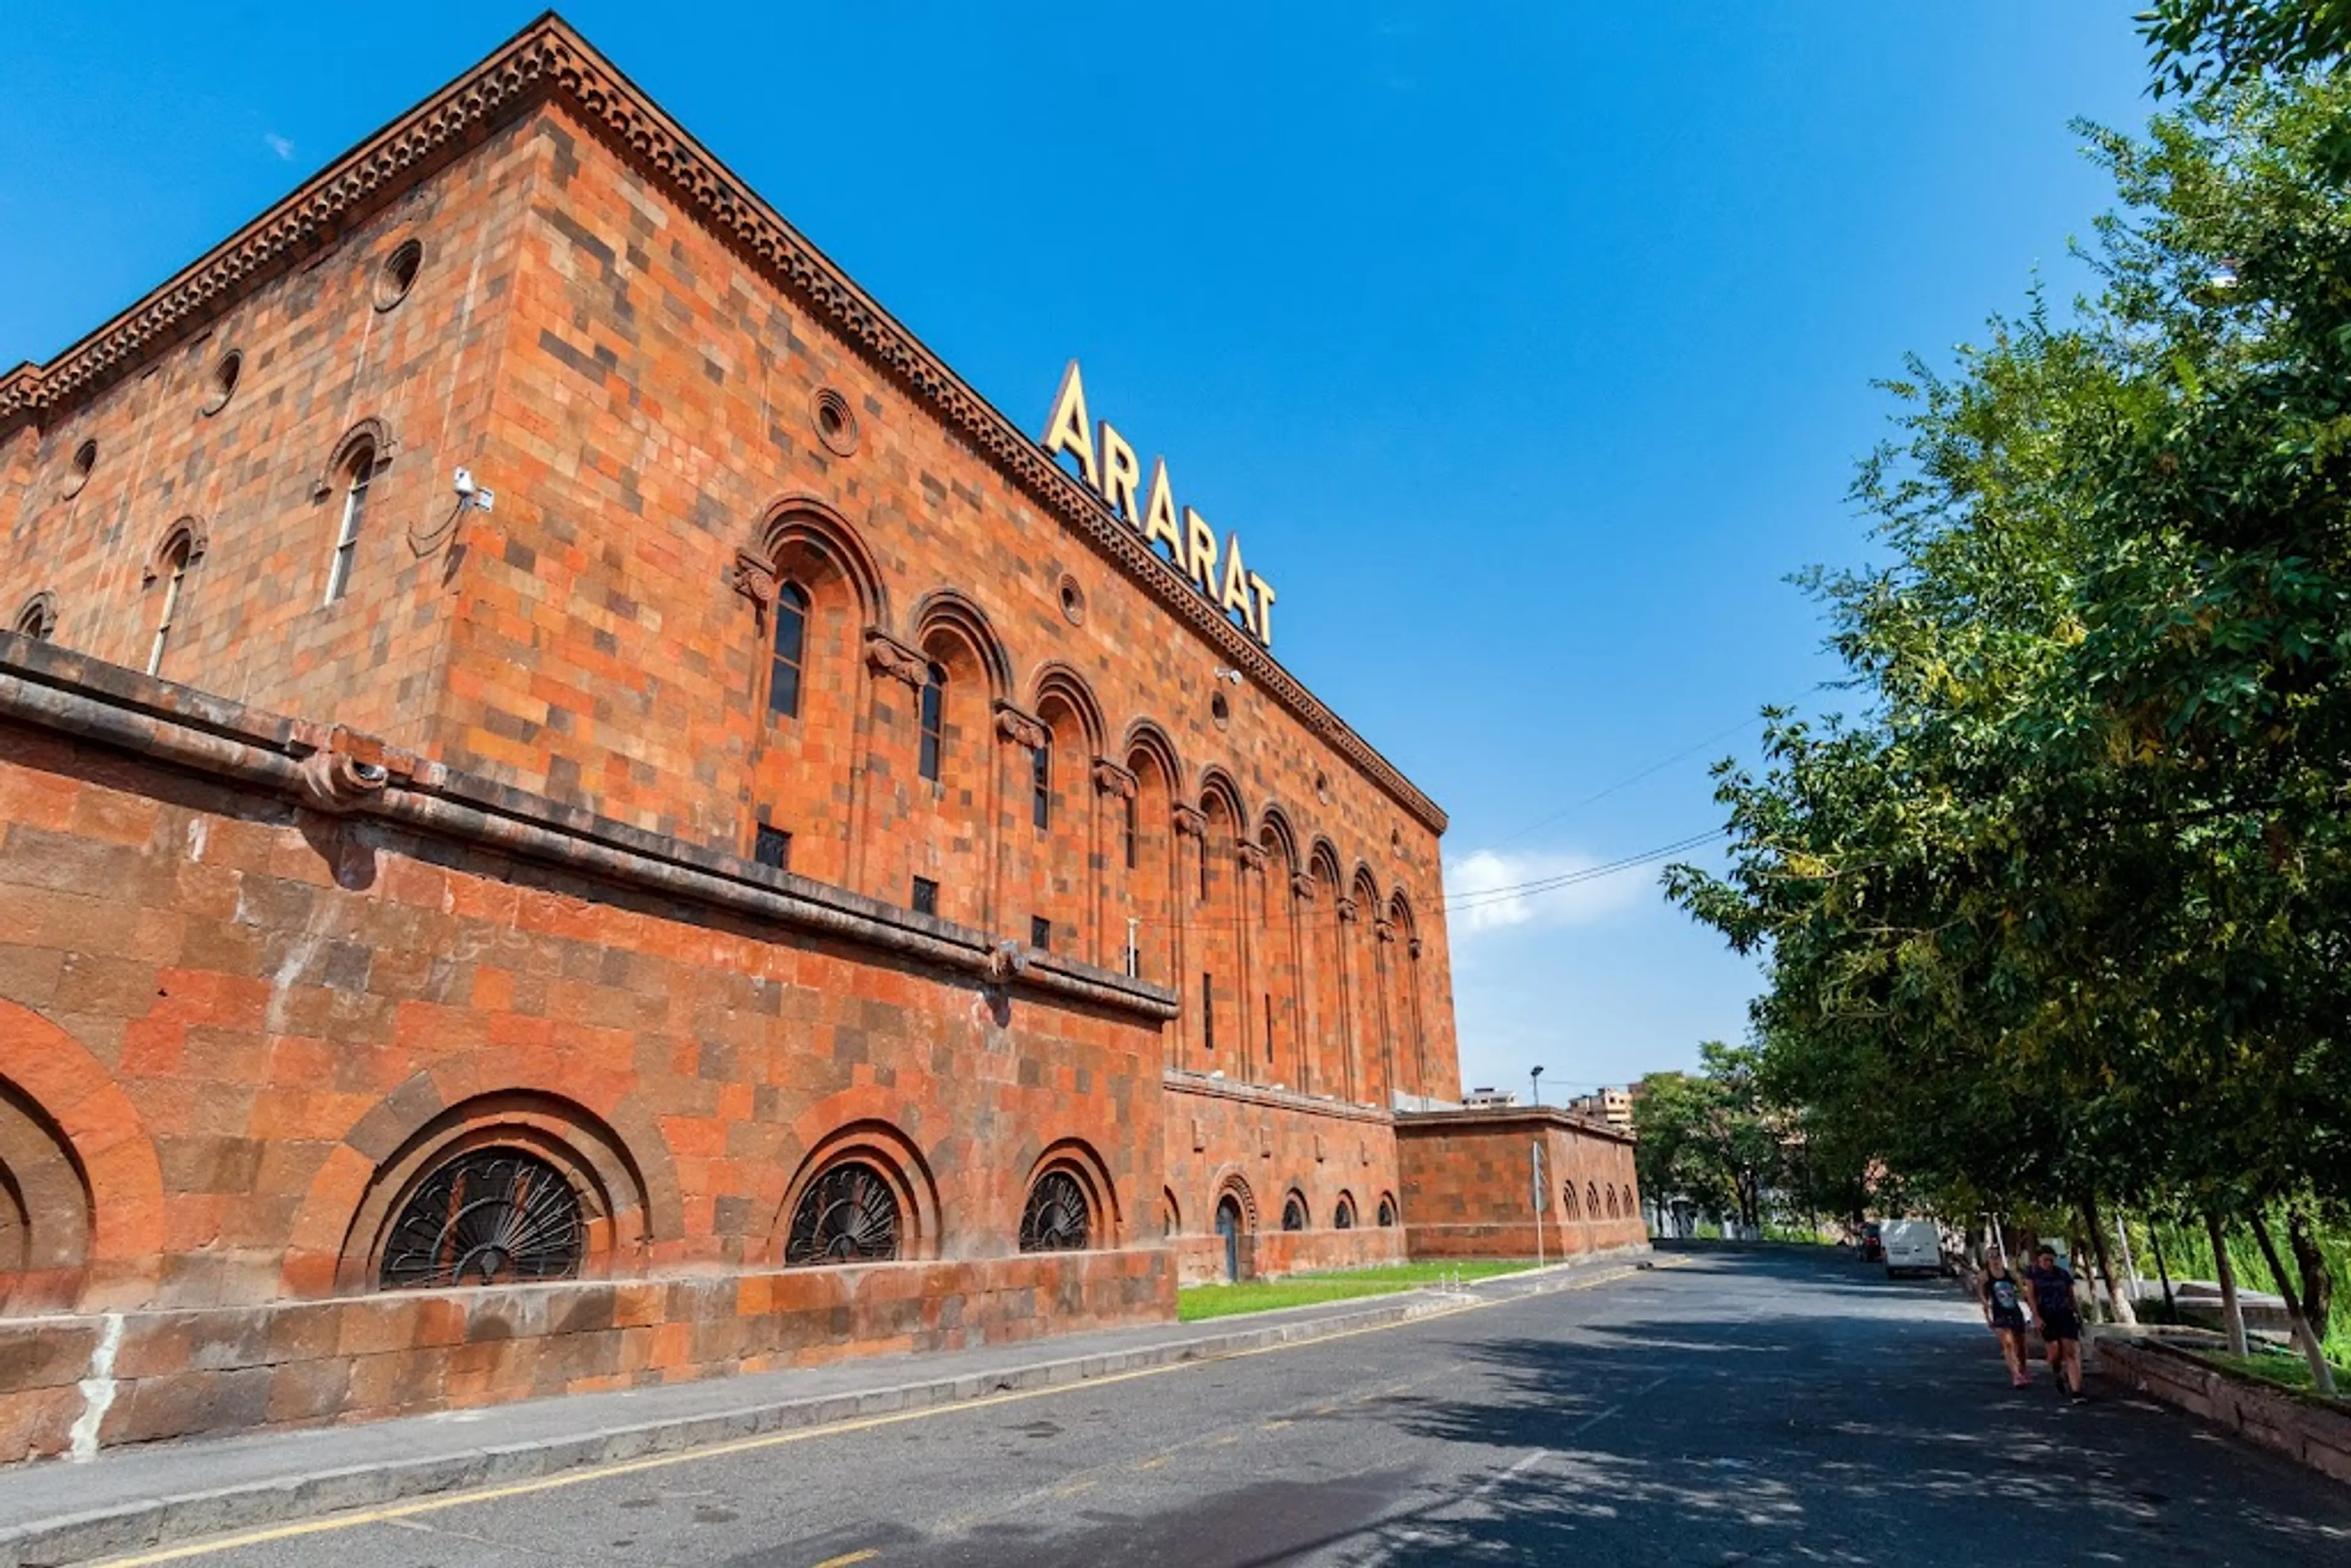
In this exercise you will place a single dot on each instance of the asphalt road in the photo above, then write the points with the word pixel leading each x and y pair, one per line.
pixel 1725 1408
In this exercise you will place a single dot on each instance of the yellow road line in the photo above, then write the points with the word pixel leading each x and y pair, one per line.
pixel 391 1512
pixel 846 1558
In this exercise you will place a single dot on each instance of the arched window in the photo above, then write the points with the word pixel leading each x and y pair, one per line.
pixel 1293 1213
pixel 1387 1211
pixel 790 648
pixel 175 571
pixel 356 472
pixel 1058 1218
pixel 1344 1218
pixel 1567 1197
pixel 847 1214
pixel 1041 784
pixel 1171 1218
pixel 1591 1201
pixel 1611 1203
pixel 489 1216
pixel 935 702
pixel 37 620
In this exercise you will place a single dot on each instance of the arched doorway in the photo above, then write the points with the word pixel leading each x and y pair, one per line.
pixel 1229 1231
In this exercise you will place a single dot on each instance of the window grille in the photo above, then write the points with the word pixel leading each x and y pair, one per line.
pixel 1056 1218
pixel 489 1216
pixel 927 896
pixel 773 846
pixel 847 1214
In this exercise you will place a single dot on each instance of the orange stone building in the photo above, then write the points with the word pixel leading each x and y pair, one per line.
pixel 767 866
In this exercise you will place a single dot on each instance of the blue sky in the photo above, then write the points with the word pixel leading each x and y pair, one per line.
pixel 1527 348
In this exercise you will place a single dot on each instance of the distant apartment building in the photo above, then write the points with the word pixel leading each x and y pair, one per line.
pixel 1613 1107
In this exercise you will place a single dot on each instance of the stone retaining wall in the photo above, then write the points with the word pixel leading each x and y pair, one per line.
pixel 2300 1428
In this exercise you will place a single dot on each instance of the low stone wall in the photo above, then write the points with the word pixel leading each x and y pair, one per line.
pixel 1467 1183
pixel 2300 1428
pixel 73 1384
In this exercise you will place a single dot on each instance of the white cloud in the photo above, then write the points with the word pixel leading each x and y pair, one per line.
pixel 279 145
pixel 1490 890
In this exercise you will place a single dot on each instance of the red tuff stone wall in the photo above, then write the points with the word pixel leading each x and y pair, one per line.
pixel 1468 1183
pixel 1259 1146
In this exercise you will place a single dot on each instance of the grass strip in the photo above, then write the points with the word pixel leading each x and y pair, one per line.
pixel 1195 1304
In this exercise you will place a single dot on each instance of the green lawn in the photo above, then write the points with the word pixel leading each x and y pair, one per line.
pixel 1195 1303
pixel 2288 1371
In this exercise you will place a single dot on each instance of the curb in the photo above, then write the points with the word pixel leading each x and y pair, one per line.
pixel 147 1523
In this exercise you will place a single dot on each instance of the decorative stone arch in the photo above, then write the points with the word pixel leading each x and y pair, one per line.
pixel 1079 1159
pixel 1364 889
pixel 1573 1210
pixel 882 1147
pixel 1295 1206
pixel 1389 1215
pixel 371 436
pixel 584 1148
pixel 1276 836
pixel 1230 1183
pixel 1219 786
pixel 1170 1213
pixel 1323 863
pixel 69 1111
pixel 1058 682
pixel 801 531
pixel 37 618
pixel 189 531
pixel 632 1164
pixel 1591 1200
pixel 44 1209
pixel 945 611
pixel 1345 1215
pixel 1144 737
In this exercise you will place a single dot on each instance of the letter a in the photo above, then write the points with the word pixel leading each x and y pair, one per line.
pixel 1159 514
pixel 1236 595
pixel 1070 430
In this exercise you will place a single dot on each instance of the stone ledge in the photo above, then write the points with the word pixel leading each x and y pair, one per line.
pixel 1183 1081
pixel 2302 1429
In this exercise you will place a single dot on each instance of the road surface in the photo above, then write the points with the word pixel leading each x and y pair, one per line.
pixel 1724 1407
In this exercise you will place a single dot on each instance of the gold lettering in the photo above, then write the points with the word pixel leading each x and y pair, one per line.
pixel 1159 514
pixel 1236 596
pixel 1120 472
pixel 1200 551
pixel 1263 619
pixel 1070 430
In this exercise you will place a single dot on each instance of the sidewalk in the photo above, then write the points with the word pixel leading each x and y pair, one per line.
pixel 125 1499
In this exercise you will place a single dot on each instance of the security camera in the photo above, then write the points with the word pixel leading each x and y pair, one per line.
pixel 464 485
pixel 1226 674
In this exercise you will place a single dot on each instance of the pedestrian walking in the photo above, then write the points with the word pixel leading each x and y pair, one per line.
pixel 2060 1319
pixel 2003 1309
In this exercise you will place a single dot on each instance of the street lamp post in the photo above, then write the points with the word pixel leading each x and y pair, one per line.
pixel 1535 1079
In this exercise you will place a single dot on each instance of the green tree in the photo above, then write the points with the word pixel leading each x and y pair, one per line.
pixel 1706 1136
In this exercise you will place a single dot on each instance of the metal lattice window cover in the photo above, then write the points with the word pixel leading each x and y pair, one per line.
pixel 1293 1214
pixel 847 1214
pixel 490 1216
pixel 1058 1218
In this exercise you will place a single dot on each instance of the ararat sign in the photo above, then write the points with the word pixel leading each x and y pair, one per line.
pixel 1108 464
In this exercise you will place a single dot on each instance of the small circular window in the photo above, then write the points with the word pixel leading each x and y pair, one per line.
pixel 836 424
pixel 85 458
pixel 1322 786
pixel 398 274
pixel 1220 711
pixel 1074 602
pixel 225 375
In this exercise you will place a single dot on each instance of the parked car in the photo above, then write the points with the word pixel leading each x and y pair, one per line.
pixel 1912 1247
pixel 1872 1246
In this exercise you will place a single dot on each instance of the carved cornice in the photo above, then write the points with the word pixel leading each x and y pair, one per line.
pixel 755 579
pixel 886 655
pixel 1112 780
pixel 1191 822
pixel 548 60
pixel 1021 727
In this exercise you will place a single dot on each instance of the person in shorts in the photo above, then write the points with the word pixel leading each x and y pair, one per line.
pixel 2061 1321
pixel 2003 1309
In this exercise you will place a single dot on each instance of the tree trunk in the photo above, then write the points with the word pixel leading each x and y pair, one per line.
pixel 2232 1313
pixel 2317 1282
pixel 2116 1298
pixel 2322 1376
pixel 2162 1272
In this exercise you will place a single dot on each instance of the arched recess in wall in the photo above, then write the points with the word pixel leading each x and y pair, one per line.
pixel 471 1196
pixel 82 1173
pixel 1231 1184
pixel 1064 810
pixel 863 1193
pixel 1405 1010
pixel 165 579
pixel 1367 966
pixel 1284 1029
pixel 815 591
pixel 1144 863
pixel 951 761
pixel 1218 993
pixel 1337 1069
pixel 1077 1162
pixel 37 618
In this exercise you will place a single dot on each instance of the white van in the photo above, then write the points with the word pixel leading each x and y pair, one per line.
pixel 1912 1247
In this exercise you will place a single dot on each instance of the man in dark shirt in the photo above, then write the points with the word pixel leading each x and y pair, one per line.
pixel 2061 1320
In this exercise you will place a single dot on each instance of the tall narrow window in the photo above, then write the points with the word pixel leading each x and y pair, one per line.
pixel 935 695
pixel 1041 785
pixel 175 576
pixel 927 896
pixel 1208 1009
pixel 1204 869
pixel 347 542
pixel 1269 1028
pixel 1132 826
pixel 1041 934
pixel 791 641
